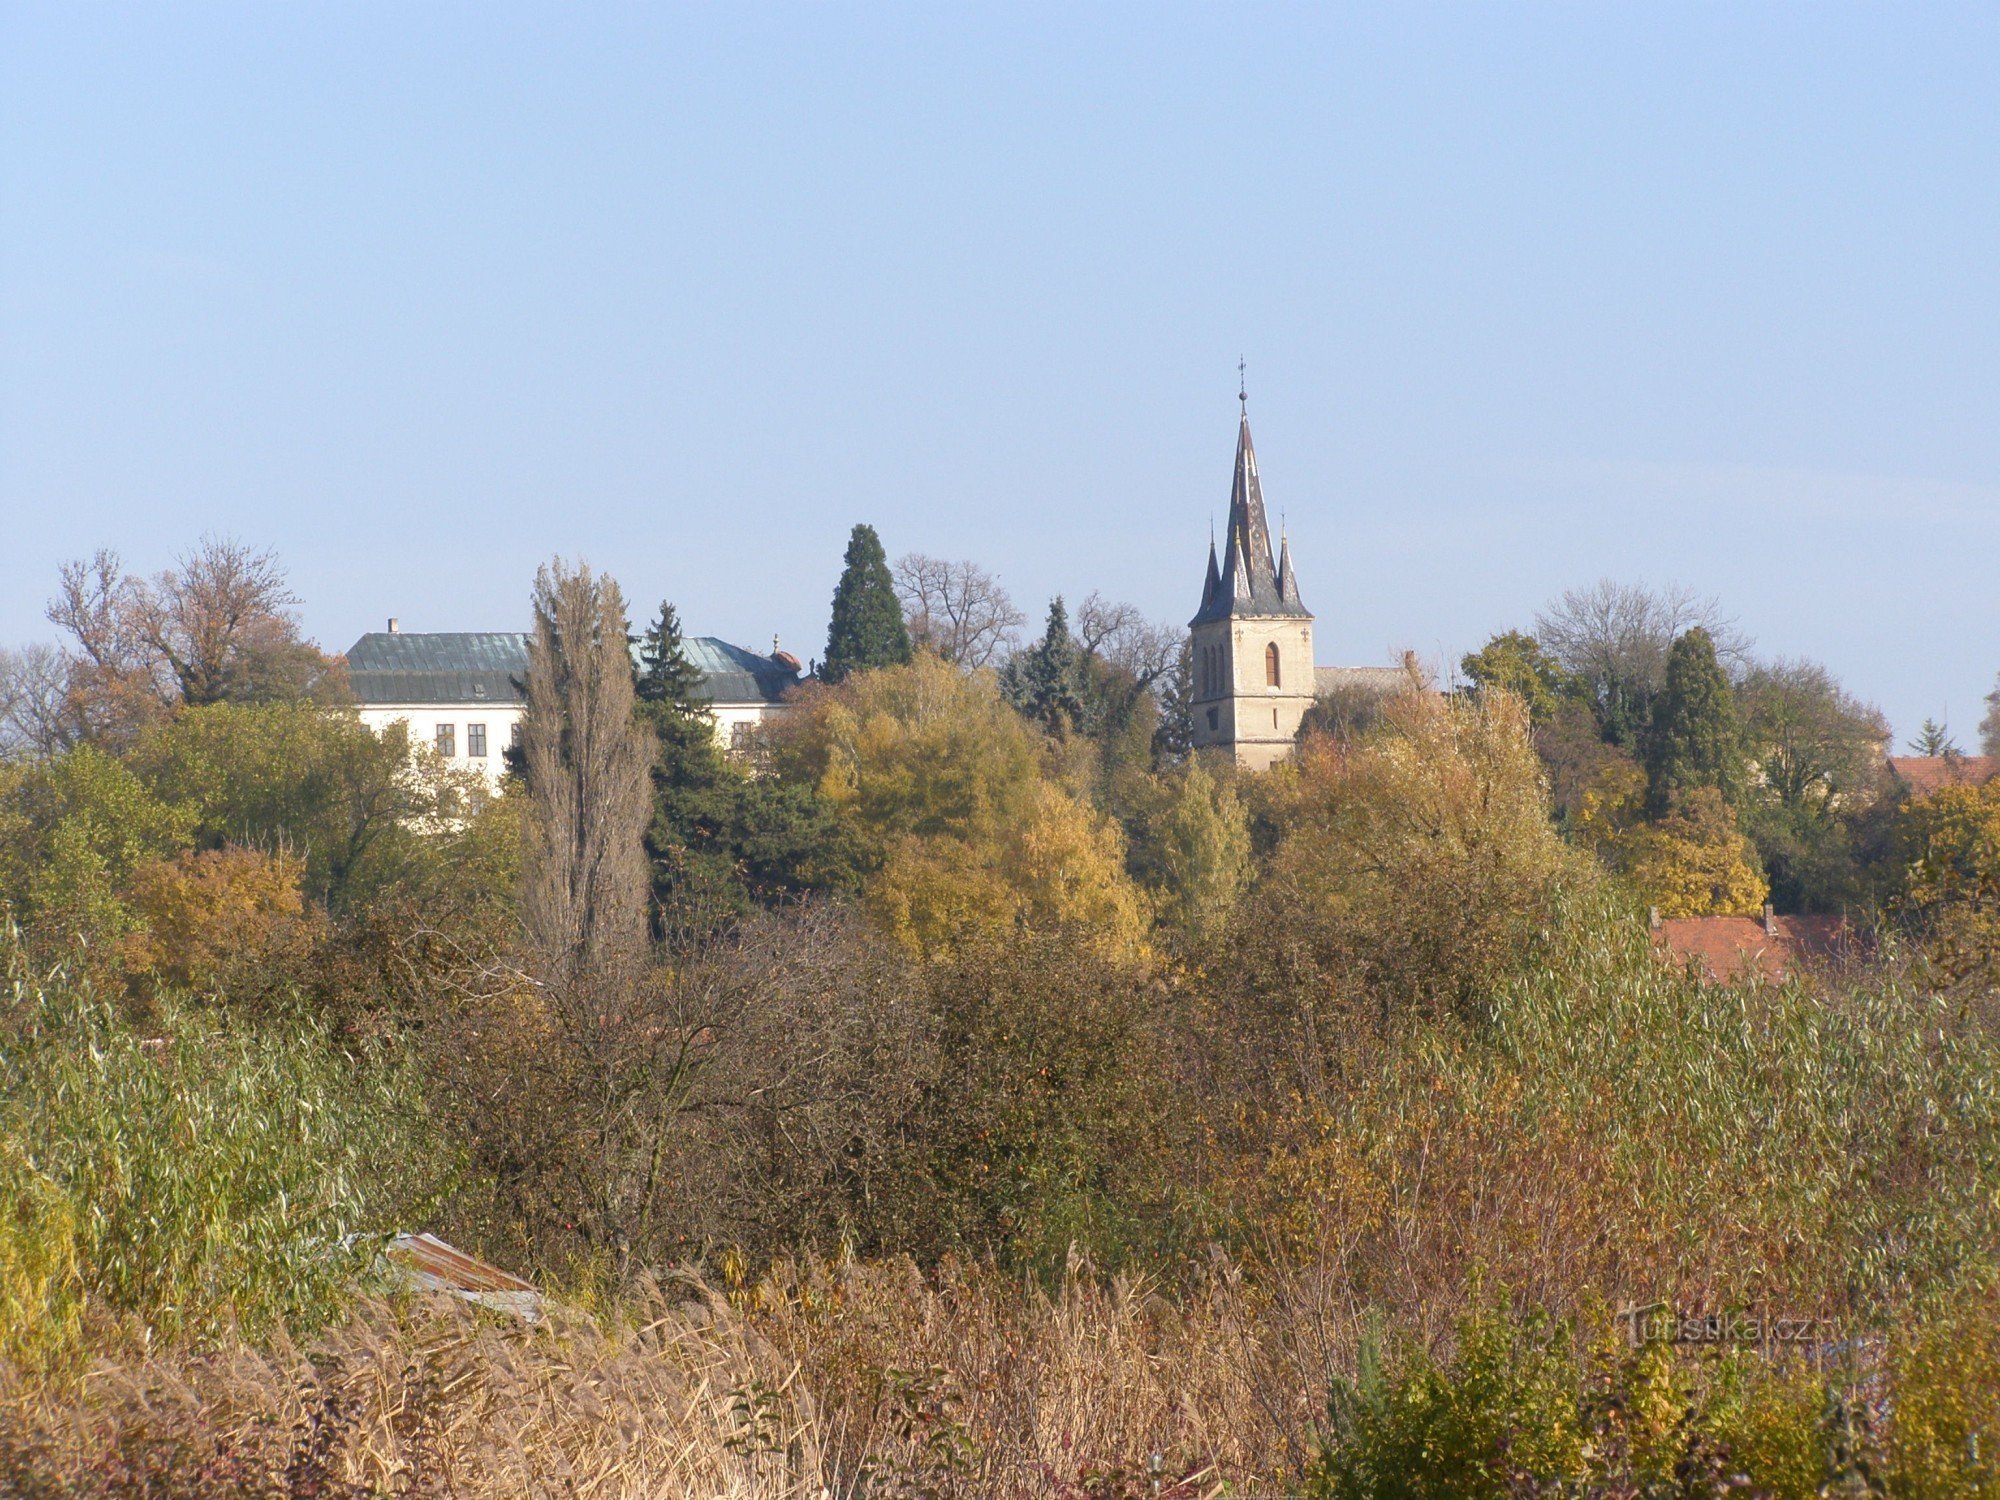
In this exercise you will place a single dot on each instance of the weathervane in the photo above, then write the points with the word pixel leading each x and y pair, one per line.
pixel 1242 388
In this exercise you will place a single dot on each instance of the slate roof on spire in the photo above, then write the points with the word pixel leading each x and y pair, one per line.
pixel 1249 573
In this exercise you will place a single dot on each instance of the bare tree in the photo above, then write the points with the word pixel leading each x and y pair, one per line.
pixel 956 609
pixel 1614 638
pixel 221 625
pixel 587 759
pixel 34 698
pixel 1122 636
pixel 1989 727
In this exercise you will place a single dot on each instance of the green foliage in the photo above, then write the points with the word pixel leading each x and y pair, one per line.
pixel 1409 872
pixel 867 630
pixel 1525 1406
pixel 1695 739
pixel 1501 1418
pixel 1046 681
pixel 213 1174
pixel 721 839
pixel 1517 664
pixel 1044 1130
pixel 312 782
pixel 72 829
pixel 1934 739
pixel 943 788
pixel 1949 848
pixel 1204 850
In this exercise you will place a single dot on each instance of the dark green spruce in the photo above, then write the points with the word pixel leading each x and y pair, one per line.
pixel 867 629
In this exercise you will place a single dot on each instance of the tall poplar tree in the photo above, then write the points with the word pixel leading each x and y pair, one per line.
pixel 1695 739
pixel 584 890
pixel 867 629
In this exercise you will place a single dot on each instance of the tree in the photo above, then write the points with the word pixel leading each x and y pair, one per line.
pixel 1204 850
pixel 1173 739
pixel 1124 656
pixel 73 827
pixel 720 839
pixel 1045 682
pixel 1949 848
pixel 1694 738
pixel 1517 664
pixel 1614 640
pixel 219 626
pixel 34 688
pixel 315 783
pixel 942 787
pixel 1812 742
pixel 1934 739
pixel 1693 861
pixel 584 902
pixel 956 609
pixel 867 630
pixel 1989 727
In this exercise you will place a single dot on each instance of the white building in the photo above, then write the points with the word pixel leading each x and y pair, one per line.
pixel 462 691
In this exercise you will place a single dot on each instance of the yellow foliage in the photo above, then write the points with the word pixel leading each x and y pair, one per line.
pixel 202 912
pixel 41 1293
pixel 950 787
pixel 1695 862
pixel 1950 843
pixel 1945 1437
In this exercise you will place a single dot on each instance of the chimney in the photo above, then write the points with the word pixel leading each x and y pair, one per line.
pixel 1770 921
pixel 392 625
pixel 1653 918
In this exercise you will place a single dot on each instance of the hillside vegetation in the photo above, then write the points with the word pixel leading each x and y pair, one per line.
pixel 971 1093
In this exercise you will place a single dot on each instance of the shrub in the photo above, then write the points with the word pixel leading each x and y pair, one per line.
pixel 210 1175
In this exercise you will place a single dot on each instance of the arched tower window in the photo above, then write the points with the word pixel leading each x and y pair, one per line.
pixel 1271 665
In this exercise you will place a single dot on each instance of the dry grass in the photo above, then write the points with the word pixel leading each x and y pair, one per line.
pixel 841 1380
pixel 433 1400
pixel 973 1382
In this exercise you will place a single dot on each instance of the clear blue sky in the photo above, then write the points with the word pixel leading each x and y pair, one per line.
pixel 419 294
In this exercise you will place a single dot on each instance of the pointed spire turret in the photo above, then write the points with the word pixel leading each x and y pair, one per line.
pixel 1254 584
pixel 1213 585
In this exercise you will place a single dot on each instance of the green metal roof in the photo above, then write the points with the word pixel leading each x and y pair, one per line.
pixel 472 667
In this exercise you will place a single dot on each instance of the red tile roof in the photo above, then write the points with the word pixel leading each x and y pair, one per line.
pixel 1733 948
pixel 1924 774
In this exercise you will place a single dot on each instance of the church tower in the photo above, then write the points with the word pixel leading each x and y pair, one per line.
pixel 1252 637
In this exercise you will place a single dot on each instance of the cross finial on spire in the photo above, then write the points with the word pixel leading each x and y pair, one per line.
pixel 1242 386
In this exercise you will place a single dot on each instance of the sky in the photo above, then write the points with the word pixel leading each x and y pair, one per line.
pixel 421 294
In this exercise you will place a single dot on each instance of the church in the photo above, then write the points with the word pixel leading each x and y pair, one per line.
pixel 1251 641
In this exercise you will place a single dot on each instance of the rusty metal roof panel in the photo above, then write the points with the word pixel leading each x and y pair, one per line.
pixel 431 1265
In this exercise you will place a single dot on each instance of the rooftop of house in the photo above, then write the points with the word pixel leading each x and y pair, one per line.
pixel 1924 774
pixel 1729 949
pixel 409 668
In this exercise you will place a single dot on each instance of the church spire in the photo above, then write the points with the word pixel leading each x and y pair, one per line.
pixel 1247 582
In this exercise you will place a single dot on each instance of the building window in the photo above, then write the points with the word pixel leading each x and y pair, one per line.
pixel 447 740
pixel 1212 721
pixel 1271 665
pixel 475 741
pixel 514 735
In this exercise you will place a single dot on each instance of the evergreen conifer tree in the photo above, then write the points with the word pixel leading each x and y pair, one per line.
pixel 1695 739
pixel 720 839
pixel 867 629
pixel 1045 682
pixel 1935 739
